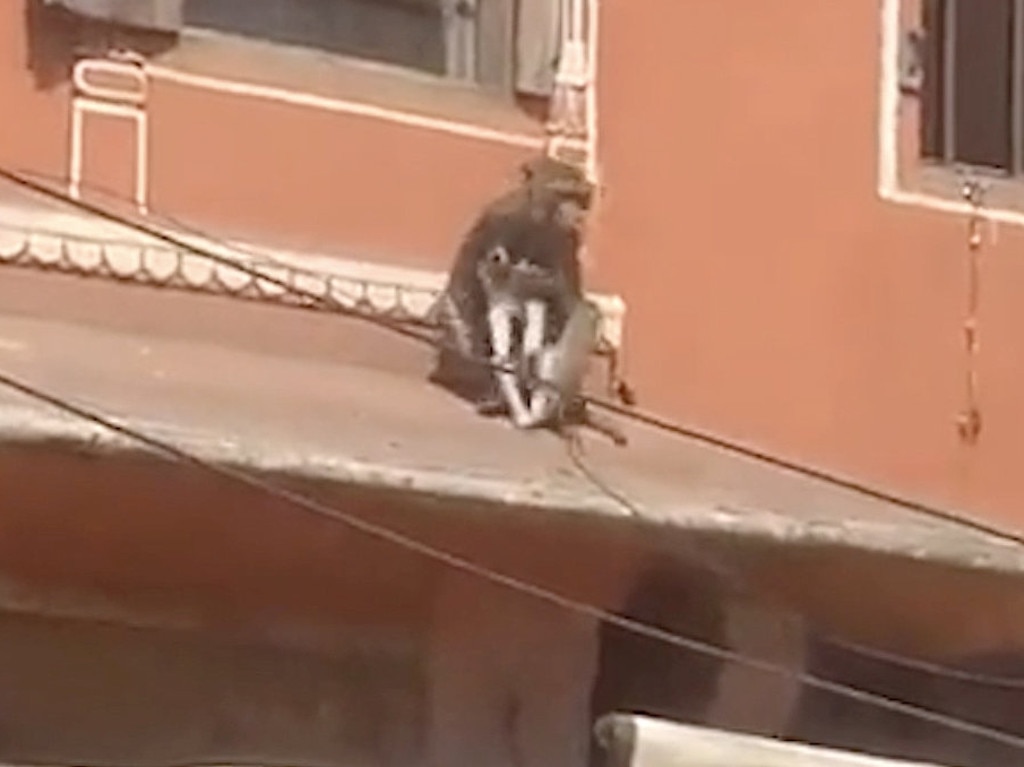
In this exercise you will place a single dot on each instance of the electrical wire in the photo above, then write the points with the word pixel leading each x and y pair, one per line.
pixel 163 218
pixel 732 577
pixel 22 179
pixel 381 532
pixel 636 415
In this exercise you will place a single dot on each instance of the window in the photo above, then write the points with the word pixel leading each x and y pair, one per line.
pixel 466 40
pixel 510 46
pixel 408 33
pixel 971 55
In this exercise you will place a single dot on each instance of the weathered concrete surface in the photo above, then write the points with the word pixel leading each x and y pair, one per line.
pixel 344 426
pixel 343 401
pixel 324 419
pixel 510 678
pixel 77 692
pixel 127 540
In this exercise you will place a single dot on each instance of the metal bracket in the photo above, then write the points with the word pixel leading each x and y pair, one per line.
pixel 127 100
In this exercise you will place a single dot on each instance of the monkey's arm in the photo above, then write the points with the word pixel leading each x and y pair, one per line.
pixel 571 270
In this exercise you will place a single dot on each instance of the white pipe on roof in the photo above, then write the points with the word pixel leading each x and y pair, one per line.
pixel 641 741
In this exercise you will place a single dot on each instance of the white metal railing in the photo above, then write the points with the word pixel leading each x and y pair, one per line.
pixel 124 97
pixel 80 245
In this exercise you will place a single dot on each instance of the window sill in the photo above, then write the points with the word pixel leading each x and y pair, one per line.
pixel 332 76
pixel 946 182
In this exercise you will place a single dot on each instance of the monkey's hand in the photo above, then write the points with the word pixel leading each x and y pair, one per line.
pixel 625 393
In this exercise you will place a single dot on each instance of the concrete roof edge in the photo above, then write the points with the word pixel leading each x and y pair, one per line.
pixel 35 425
pixel 29 424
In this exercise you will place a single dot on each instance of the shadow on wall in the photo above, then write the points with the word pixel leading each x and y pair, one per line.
pixel 646 676
pixel 823 718
pixel 57 38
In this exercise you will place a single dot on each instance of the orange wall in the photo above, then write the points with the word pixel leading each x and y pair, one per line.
pixel 323 181
pixel 35 125
pixel 294 175
pixel 771 295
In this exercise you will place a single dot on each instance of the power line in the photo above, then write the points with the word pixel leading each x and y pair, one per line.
pixel 216 258
pixel 735 579
pixel 651 420
pixel 578 460
pixel 580 463
pixel 322 510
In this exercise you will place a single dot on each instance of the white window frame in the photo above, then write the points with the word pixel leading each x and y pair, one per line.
pixel 896 111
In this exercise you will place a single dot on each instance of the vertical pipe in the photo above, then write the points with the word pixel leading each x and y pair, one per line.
pixel 75 159
pixel 889 99
pixel 577 19
pixel 142 162
pixel 593 12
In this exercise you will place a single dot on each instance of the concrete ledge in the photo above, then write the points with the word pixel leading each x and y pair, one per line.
pixel 29 425
pixel 521 485
pixel 345 424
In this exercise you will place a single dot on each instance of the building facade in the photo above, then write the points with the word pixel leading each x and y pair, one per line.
pixel 803 241
pixel 778 170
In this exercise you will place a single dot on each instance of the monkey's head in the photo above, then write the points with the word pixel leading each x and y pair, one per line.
pixel 544 167
pixel 558 188
pixel 571 212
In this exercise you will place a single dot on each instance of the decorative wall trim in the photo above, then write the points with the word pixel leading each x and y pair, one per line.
pixel 572 126
pixel 76 245
pixel 344 106
pixel 123 96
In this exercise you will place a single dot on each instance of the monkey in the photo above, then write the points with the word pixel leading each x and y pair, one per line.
pixel 549 189
pixel 535 281
pixel 542 215
pixel 554 376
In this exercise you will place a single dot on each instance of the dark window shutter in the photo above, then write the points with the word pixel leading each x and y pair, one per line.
pixel 538 28
pixel 159 15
